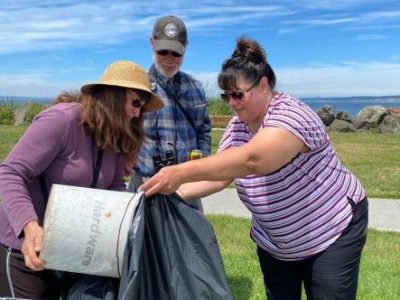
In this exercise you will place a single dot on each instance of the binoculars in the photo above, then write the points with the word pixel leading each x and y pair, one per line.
pixel 160 162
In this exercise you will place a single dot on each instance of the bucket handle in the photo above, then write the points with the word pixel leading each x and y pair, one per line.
pixel 139 194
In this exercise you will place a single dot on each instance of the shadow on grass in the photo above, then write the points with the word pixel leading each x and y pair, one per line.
pixel 241 287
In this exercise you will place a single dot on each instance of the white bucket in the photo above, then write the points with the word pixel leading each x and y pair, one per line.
pixel 86 230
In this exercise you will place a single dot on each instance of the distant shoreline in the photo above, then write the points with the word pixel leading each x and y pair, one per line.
pixel 353 105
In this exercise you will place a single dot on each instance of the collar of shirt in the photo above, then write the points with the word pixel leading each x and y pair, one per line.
pixel 164 81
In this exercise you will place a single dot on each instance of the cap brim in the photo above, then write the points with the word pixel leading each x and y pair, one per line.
pixel 153 104
pixel 160 44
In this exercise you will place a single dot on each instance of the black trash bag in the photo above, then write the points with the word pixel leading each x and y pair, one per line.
pixel 171 253
pixel 90 287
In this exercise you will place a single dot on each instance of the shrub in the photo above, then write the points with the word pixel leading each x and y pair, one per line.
pixel 7 112
pixel 33 111
pixel 218 107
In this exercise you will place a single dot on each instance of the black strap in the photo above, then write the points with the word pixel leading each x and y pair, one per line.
pixel 96 171
pixel 96 168
pixel 185 113
pixel 177 83
pixel 43 188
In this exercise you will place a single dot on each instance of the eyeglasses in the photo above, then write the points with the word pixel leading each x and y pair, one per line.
pixel 165 53
pixel 138 103
pixel 237 96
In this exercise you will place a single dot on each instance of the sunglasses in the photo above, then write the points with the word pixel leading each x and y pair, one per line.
pixel 138 103
pixel 237 96
pixel 165 52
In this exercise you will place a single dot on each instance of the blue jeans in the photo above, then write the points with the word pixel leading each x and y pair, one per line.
pixel 331 274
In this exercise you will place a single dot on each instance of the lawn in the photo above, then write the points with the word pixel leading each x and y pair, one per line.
pixel 379 273
pixel 374 158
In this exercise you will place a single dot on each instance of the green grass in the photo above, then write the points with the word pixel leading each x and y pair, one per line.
pixel 217 107
pixel 379 272
pixel 9 136
pixel 373 157
pixel 7 108
pixel 33 111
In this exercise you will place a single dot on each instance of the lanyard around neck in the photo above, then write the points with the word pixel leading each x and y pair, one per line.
pixel 96 166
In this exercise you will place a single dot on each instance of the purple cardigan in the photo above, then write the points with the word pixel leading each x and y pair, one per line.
pixel 57 146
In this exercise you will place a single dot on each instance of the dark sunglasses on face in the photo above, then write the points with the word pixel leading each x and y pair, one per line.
pixel 138 103
pixel 237 96
pixel 165 52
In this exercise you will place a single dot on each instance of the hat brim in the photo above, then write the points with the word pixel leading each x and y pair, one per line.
pixel 153 104
pixel 162 44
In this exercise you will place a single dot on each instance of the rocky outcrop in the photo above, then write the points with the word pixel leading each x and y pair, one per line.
pixel 370 117
pixel 341 126
pixel 344 116
pixel 326 114
pixel 375 117
pixel 391 122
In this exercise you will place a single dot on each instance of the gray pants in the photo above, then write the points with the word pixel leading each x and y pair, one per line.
pixel 137 180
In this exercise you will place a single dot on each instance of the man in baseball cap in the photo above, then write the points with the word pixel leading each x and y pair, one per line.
pixel 169 33
pixel 183 124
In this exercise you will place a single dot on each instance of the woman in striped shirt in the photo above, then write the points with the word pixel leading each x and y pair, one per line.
pixel 309 213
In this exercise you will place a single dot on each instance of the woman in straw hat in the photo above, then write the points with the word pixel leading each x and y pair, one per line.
pixel 82 140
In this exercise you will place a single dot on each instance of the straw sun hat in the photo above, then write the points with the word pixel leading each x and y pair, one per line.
pixel 128 74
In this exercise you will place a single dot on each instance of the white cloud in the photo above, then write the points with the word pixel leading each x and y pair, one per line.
pixel 29 27
pixel 332 5
pixel 33 28
pixel 33 85
pixel 44 24
pixel 209 81
pixel 319 80
pixel 346 79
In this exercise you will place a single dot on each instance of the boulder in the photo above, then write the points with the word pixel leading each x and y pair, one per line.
pixel 341 126
pixel 370 117
pixel 344 116
pixel 394 112
pixel 390 124
pixel 326 114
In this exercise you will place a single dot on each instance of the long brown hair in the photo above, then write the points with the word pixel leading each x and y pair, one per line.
pixel 104 117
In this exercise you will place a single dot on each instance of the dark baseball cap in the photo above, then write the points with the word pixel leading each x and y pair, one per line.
pixel 169 33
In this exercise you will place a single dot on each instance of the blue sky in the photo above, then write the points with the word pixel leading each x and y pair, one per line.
pixel 316 47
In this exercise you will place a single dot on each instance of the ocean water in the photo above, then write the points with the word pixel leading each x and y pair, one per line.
pixel 353 105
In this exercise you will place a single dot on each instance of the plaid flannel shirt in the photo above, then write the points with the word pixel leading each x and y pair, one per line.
pixel 168 128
